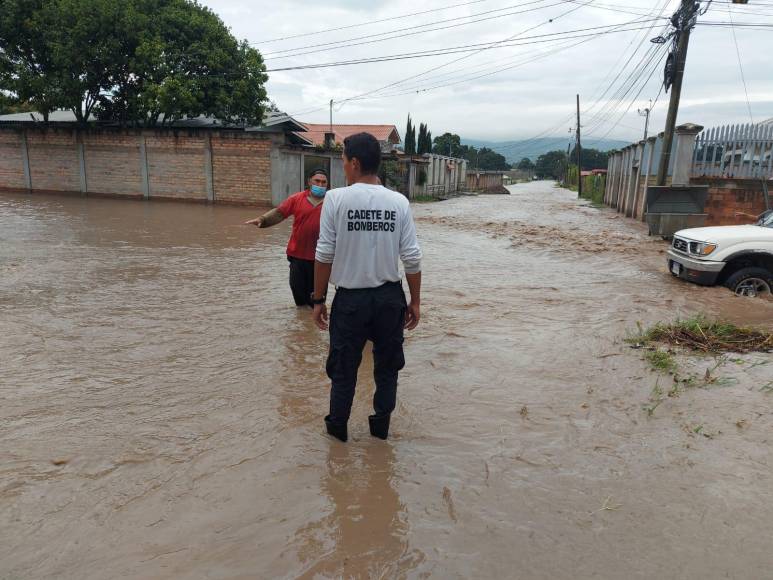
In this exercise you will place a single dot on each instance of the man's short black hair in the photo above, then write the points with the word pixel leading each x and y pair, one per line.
pixel 318 171
pixel 364 147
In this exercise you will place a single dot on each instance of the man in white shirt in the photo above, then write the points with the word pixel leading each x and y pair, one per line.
pixel 365 230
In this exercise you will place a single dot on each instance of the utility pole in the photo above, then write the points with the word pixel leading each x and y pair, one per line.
pixel 331 115
pixel 646 113
pixel 683 20
pixel 579 152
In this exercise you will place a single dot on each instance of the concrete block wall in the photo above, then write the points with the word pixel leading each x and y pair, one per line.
pixel 11 160
pixel 176 166
pixel 54 161
pixel 241 168
pixel 112 163
pixel 193 165
pixel 728 196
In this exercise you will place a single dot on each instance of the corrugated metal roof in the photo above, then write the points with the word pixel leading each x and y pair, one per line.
pixel 273 121
pixel 53 117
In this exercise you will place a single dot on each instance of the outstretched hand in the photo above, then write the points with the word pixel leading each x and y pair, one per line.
pixel 258 222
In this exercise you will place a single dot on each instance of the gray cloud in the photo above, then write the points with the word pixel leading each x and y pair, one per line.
pixel 516 103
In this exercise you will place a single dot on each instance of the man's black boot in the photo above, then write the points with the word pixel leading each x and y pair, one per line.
pixel 337 431
pixel 379 426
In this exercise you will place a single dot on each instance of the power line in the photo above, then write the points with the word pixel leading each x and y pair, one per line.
pixel 736 24
pixel 625 87
pixel 616 8
pixel 537 39
pixel 598 97
pixel 740 65
pixel 454 61
pixel 636 97
pixel 322 47
pixel 451 76
pixel 499 70
pixel 630 82
pixel 628 85
pixel 367 23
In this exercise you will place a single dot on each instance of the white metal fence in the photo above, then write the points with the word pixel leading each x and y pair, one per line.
pixel 737 151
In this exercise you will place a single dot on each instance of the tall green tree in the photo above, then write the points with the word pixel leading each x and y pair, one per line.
pixel 551 165
pixel 27 65
pixel 410 138
pixel 490 160
pixel 135 61
pixel 424 142
pixel 591 158
pixel 525 164
pixel 448 144
pixel 10 105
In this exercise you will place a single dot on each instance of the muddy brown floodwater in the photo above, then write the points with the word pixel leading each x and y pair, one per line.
pixel 162 401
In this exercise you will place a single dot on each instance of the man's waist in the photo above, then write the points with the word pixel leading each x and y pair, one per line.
pixel 384 285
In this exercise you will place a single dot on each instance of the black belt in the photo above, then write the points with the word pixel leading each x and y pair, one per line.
pixel 384 285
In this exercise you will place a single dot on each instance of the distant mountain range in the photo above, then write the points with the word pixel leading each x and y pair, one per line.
pixel 514 151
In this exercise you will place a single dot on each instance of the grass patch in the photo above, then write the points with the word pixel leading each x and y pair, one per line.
pixel 655 400
pixel 426 199
pixel 702 335
pixel 709 336
pixel 661 360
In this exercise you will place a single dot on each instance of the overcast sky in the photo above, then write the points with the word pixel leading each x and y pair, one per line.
pixel 515 103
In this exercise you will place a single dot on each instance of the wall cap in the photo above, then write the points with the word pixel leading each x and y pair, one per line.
pixel 689 129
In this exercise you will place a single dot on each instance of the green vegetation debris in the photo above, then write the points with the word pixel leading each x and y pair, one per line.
pixel 661 360
pixel 701 334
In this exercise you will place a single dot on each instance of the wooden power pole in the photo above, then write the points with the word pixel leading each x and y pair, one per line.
pixel 683 20
pixel 579 152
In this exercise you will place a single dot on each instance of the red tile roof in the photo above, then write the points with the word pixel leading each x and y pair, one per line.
pixel 316 132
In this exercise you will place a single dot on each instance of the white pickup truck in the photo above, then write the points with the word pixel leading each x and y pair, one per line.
pixel 740 257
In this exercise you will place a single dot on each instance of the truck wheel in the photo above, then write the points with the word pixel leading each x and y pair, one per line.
pixel 751 282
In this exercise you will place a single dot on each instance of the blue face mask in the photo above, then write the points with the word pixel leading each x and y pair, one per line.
pixel 318 190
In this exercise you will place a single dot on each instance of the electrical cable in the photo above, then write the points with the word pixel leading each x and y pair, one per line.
pixel 740 65
pixel 367 23
pixel 454 61
pixel 455 50
pixel 417 29
pixel 596 98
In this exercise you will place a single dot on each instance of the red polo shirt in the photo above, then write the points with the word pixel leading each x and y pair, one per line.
pixel 303 240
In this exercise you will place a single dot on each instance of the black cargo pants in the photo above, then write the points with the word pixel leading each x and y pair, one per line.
pixel 375 314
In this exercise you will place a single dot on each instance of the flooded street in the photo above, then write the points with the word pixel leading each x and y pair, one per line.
pixel 162 404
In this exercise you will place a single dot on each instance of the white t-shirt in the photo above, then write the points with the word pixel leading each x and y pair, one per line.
pixel 364 231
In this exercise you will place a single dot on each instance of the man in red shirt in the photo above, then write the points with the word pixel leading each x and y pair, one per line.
pixel 306 208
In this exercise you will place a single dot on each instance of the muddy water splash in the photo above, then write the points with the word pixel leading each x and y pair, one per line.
pixel 162 403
